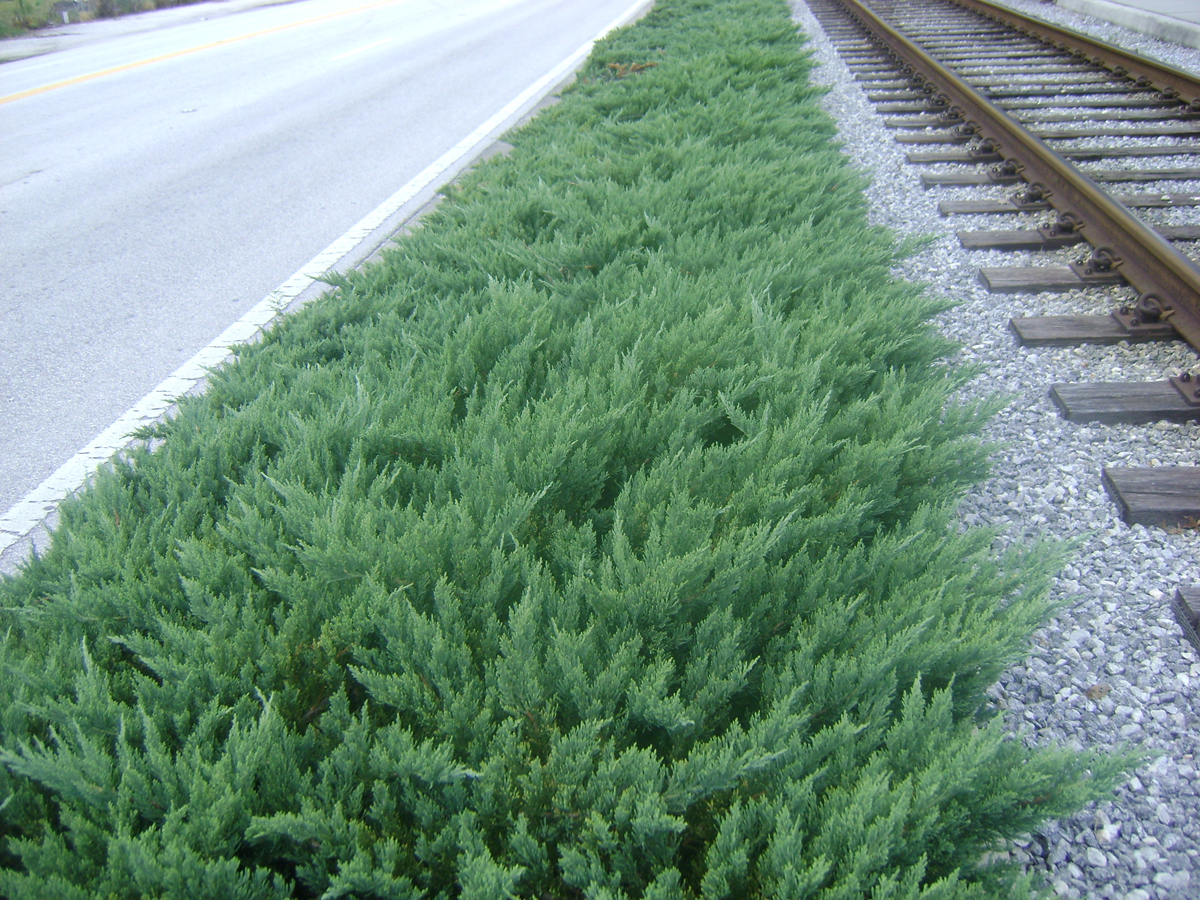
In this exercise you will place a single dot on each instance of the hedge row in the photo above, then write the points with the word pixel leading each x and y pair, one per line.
pixel 598 543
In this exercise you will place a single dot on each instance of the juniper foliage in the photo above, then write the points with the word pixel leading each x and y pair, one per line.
pixel 596 543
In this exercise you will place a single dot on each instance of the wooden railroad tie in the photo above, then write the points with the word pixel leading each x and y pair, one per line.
pixel 1186 606
pixel 1070 331
pixel 1136 201
pixel 1132 403
pixel 1080 153
pixel 1037 239
pixel 1162 496
pixel 1035 279
pixel 1101 176
pixel 950 136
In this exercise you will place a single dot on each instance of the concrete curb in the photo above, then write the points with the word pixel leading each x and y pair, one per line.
pixel 1177 31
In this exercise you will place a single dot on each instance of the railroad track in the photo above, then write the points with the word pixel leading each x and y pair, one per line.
pixel 1091 138
pixel 1110 668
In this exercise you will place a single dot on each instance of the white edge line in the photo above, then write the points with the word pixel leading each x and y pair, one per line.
pixel 36 506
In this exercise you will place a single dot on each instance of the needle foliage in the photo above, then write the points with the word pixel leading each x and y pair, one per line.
pixel 597 543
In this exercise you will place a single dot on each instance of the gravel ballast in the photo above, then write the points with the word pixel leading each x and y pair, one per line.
pixel 1112 668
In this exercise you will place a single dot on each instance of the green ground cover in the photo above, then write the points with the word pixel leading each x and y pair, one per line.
pixel 598 543
pixel 18 16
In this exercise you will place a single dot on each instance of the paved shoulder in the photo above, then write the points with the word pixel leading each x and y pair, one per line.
pixel 1177 21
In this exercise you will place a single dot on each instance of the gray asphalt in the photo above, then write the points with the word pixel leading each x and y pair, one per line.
pixel 143 211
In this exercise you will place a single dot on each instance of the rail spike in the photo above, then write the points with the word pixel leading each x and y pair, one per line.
pixel 984 148
pixel 1066 223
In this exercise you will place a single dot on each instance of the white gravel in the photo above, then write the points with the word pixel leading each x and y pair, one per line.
pixel 1115 638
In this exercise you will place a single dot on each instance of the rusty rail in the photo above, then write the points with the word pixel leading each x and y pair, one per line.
pixel 1164 278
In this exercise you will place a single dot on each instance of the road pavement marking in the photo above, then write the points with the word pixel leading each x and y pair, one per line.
pixel 92 76
pixel 38 505
pixel 360 50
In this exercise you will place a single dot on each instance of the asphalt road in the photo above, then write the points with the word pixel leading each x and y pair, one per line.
pixel 143 210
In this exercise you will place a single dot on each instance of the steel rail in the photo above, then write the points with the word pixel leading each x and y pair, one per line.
pixel 1156 270
pixel 1171 82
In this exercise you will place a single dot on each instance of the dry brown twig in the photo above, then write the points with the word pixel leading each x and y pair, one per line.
pixel 623 69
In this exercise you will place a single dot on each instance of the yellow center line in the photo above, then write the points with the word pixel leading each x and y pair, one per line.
pixel 91 76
